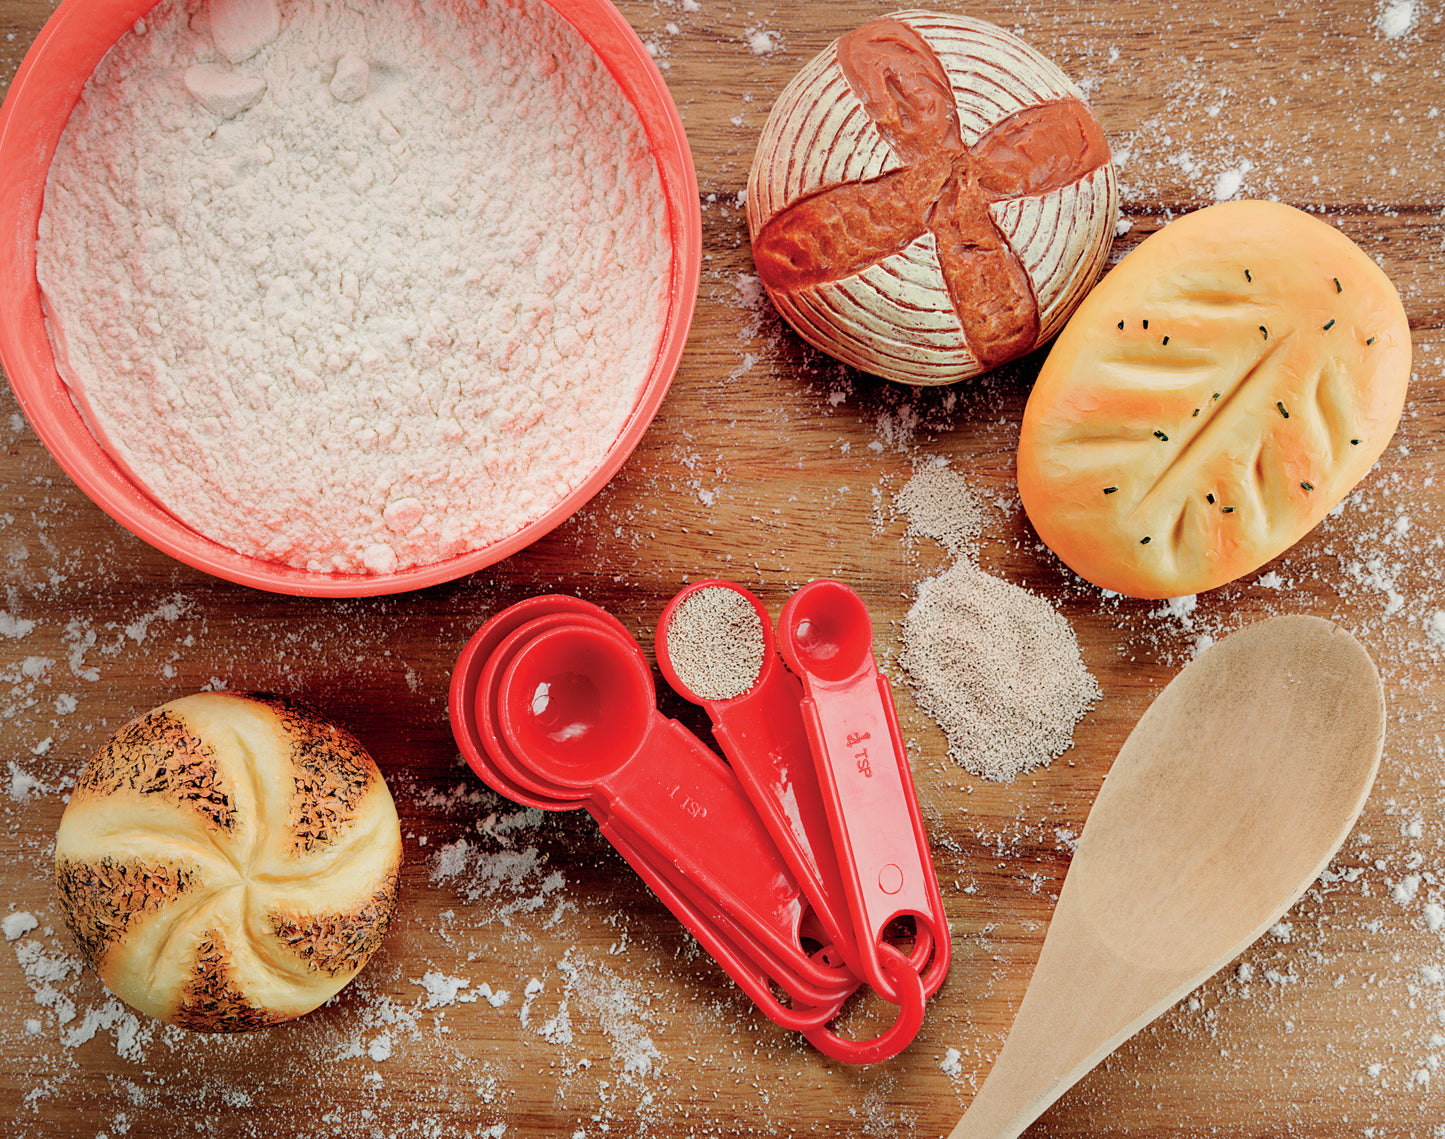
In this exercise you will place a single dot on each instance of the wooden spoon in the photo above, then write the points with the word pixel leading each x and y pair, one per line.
pixel 1229 797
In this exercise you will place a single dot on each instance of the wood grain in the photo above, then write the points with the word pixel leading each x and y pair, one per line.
pixel 771 465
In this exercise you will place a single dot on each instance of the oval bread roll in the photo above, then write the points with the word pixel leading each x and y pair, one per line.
pixel 228 862
pixel 930 198
pixel 1212 399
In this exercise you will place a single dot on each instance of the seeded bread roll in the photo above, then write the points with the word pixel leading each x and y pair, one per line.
pixel 1212 399
pixel 228 862
pixel 930 198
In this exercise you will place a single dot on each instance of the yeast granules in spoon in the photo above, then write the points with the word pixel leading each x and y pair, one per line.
pixel 715 642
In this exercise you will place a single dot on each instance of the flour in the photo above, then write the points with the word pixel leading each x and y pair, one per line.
pixel 360 287
pixel 1229 183
pixel 14 627
pixel 1396 17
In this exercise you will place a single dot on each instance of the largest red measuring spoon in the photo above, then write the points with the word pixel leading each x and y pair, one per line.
pixel 740 955
pixel 575 705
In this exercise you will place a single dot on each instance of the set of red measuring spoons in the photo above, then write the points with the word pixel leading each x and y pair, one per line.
pixel 800 862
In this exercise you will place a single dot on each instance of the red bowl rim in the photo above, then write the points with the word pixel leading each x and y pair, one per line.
pixel 36 107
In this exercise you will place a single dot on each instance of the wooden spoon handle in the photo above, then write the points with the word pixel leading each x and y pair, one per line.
pixel 1081 1004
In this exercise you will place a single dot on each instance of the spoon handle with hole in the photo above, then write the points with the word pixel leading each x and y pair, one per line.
pixel 825 636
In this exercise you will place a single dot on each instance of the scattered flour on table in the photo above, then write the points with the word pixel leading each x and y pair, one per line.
pixel 442 990
pixel 996 666
pixel 1396 18
pixel 760 41
pixel 359 287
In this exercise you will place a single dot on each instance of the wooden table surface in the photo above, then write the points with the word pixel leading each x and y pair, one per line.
pixel 530 986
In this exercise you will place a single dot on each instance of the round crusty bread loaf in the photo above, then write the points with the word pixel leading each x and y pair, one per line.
pixel 930 198
pixel 1212 399
pixel 228 861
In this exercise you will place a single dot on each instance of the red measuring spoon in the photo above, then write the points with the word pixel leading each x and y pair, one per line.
pixel 739 955
pixel 761 732
pixel 795 972
pixel 826 637
pixel 576 705
pixel 467 697
pixel 758 722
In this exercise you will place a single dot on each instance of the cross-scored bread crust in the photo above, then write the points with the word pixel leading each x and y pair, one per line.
pixel 930 198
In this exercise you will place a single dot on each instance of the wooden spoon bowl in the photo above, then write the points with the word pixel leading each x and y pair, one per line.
pixel 1229 797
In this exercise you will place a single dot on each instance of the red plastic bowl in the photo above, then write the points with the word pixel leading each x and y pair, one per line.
pixel 33 116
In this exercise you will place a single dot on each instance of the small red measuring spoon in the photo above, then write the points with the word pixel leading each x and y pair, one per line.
pixel 826 637
pixel 575 705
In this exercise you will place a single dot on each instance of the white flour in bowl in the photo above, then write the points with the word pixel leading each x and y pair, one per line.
pixel 354 285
